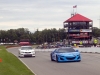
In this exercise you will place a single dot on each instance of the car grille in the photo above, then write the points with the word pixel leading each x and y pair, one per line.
pixel 27 52
pixel 71 58
pixel 29 55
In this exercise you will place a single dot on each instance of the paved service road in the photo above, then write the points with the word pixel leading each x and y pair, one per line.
pixel 41 64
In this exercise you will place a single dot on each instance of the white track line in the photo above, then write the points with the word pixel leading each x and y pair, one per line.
pixel 26 65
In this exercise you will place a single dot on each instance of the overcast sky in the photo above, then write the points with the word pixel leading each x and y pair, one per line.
pixel 41 14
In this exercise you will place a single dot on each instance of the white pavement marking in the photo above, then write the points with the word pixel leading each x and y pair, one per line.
pixel 27 66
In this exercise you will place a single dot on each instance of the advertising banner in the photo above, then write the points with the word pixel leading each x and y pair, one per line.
pixel 74 30
pixel 81 42
pixel 85 30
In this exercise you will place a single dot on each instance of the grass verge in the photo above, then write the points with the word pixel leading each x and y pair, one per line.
pixel 11 65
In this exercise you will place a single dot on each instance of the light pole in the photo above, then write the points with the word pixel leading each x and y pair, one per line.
pixel 99 22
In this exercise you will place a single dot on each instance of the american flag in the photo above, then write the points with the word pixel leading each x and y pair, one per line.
pixel 75 6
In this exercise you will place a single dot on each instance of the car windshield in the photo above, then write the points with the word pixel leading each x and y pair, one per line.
pixel 63 50
pixel 26 48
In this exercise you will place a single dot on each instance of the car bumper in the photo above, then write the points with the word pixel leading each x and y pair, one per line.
pixel 26 55
pixel 67 59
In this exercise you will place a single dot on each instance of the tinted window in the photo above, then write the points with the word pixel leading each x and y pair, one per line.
pixel 25 48
pixel 62 50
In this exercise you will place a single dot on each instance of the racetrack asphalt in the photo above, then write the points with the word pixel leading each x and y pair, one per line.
pixel 42 65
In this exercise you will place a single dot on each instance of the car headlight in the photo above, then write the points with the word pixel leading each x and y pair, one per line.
pixel 22 52
pixel 33 52
pixel 78 54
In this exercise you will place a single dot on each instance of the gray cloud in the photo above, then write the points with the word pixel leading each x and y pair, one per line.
pixel 44 13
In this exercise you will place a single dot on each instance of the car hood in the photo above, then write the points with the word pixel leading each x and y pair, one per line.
pixel 70 54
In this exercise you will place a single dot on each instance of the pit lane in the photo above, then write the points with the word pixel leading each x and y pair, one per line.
pixel 41 64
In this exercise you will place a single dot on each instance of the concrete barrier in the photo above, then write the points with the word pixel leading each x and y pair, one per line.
pixel 89 50
pixel 45 49
pixel 85 50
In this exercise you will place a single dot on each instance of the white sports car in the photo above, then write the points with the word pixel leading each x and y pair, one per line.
pixel 26 51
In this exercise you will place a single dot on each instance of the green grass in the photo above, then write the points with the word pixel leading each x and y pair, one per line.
pixel 11 65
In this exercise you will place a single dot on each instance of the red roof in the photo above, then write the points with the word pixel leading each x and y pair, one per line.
pixel 78 17
pixel 24 43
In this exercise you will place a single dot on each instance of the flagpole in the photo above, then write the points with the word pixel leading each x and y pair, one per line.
pixel 76 10
pixel 99 22
pixel 73 11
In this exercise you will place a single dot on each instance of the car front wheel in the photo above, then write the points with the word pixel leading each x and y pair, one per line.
pixel 57 58
pixel 51 57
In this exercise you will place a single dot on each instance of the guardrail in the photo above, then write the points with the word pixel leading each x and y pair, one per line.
pixel 85 50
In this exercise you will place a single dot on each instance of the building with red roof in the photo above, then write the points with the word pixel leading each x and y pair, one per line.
pixel 77 18
pixel 78 28
pixel 24 42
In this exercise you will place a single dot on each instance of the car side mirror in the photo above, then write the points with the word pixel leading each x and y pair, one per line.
pixel 76 50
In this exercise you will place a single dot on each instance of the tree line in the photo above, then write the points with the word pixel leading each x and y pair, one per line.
pixel 38 37
pixel 46 35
